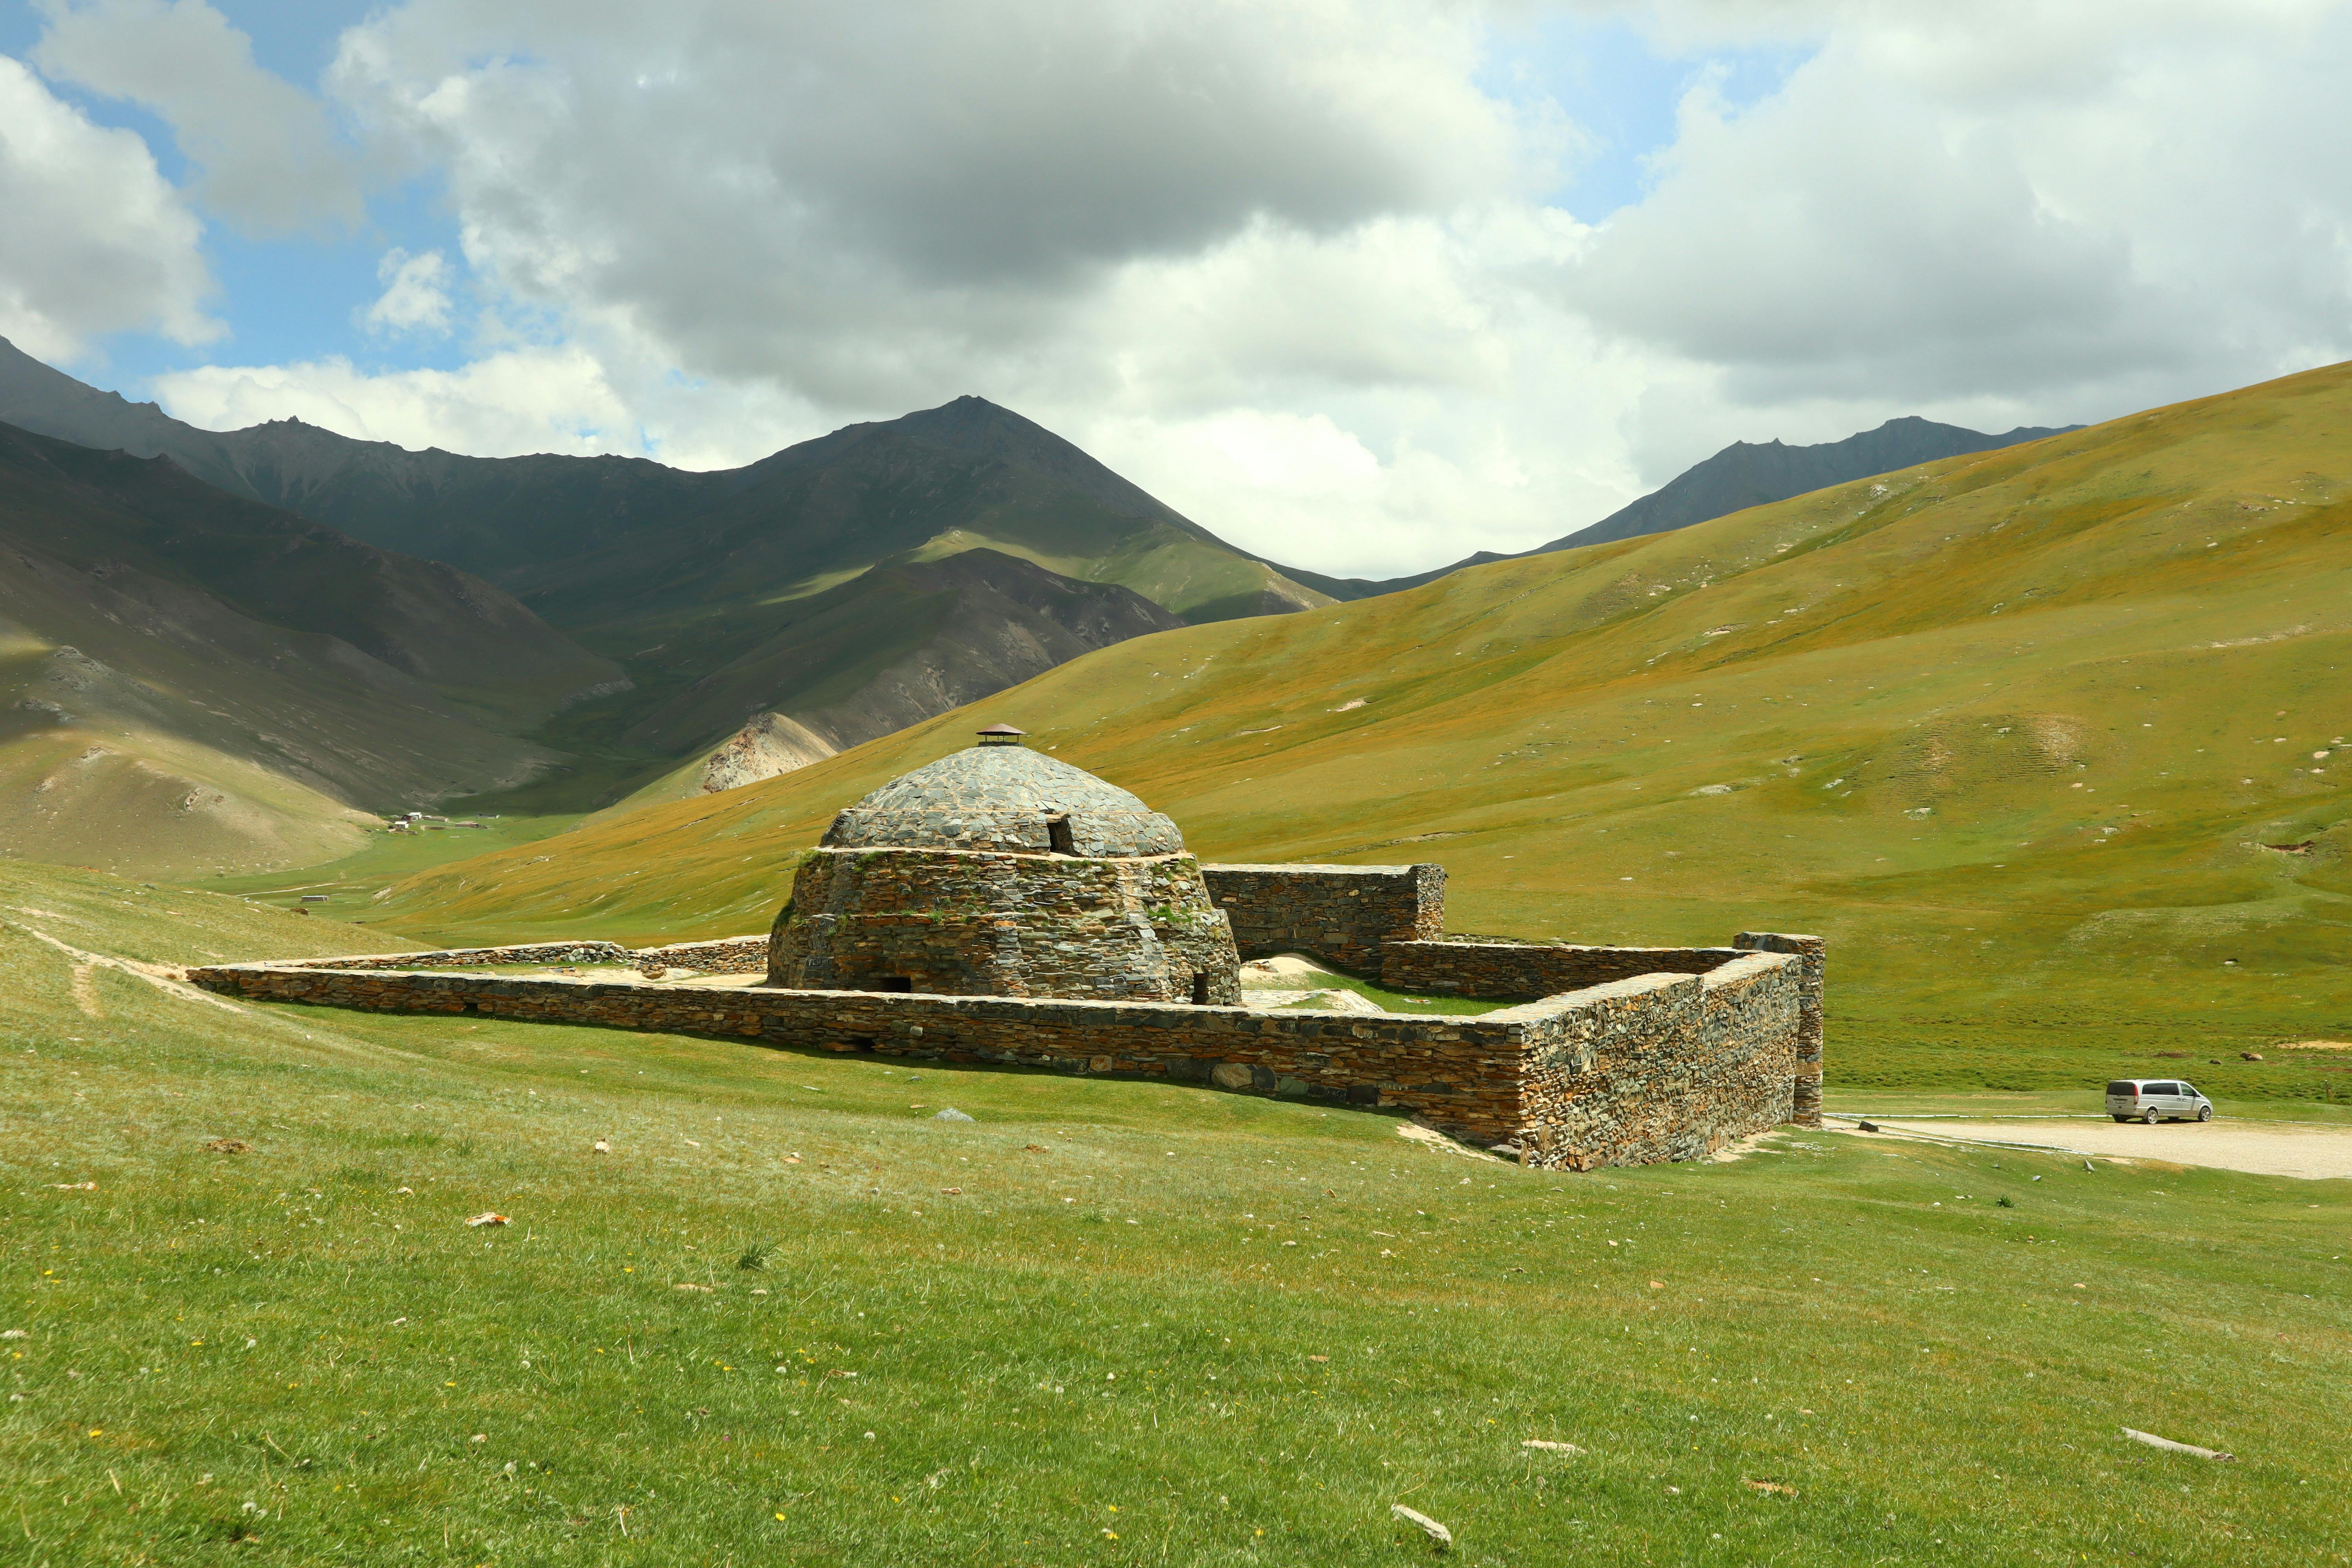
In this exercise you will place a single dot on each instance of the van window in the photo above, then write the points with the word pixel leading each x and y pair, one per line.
pixel 2124 1087
pixel 2189 1090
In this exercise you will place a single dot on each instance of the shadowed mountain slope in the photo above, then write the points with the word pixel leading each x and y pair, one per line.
pixel 192 679
pixel 693 583
pixel 892 647
pixel 573 536
pixel 2047 740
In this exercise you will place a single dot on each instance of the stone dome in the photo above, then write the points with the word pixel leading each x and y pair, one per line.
pixel 1004 798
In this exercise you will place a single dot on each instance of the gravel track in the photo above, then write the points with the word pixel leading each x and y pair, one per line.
pixel 2263 1148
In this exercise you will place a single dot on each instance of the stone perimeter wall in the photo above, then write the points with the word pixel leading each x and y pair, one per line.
pixel 1342 914
pixel 1666 1067
pixel 1659 1066
pixel 1494 969
pixel 725 955
pixel 473 957
pixel 1459 1074
pixel 1813 957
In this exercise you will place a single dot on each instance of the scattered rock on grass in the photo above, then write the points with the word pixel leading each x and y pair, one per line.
pixel 951 1114
pixel 2153 1441
pixel 228 1146
pixel 1546 1444
pixel 486 1217
pixel 1436 1532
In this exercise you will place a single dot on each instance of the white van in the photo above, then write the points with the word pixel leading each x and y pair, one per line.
pixel 2155 1100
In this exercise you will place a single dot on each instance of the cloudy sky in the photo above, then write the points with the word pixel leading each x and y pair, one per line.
pixel 1361 284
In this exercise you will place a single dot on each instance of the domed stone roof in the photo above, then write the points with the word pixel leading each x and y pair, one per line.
pixel 1004 798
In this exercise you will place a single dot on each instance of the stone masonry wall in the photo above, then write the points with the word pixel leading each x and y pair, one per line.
pixel 1812 954
pixel 1657 1067
pixel 1500 969
pixel 723 955
pixel 1341 914
pixel 476 957
pixel 1459 1074
pixel 969 922
pixel 1665 1067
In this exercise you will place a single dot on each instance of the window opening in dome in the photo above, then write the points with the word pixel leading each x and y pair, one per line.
pixel 1058 836
pixel 895 982
pixel 1200 991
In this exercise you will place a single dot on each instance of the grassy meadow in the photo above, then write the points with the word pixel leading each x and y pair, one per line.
pixel 1100 1322
pixel 2045 740
pixel 348 887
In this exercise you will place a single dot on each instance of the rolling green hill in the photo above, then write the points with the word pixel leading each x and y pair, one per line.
pixel 192 682
pixel 2044 740
pixel 1744 474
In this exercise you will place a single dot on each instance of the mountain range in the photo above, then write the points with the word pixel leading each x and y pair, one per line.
pixel 670 632
pixel 836 590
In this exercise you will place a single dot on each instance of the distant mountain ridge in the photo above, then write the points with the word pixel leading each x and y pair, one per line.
pixel 1742 475
pixel 837 589
pixel 500 515
pixel 846 585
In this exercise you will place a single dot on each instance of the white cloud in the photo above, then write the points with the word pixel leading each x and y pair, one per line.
pixel 503 404
pixel 865 202
pixel 415 295
pixel 2082 206
pixel 92 239
pixel 1290 267
pixel 271 160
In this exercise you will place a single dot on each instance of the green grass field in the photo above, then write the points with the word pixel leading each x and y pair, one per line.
pixel 346 889
pixel 1102 1322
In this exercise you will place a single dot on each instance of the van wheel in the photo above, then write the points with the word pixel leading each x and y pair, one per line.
pixel 2150 1117
pixel 2204 1113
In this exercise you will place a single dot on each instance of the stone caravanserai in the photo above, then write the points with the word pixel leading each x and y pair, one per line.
pixel 1001 906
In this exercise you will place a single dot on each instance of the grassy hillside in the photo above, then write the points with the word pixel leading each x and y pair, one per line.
pixel 2030 735
pixel 1105 1323
pixel 1744 474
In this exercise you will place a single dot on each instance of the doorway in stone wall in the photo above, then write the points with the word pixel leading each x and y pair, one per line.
pixel 1058 836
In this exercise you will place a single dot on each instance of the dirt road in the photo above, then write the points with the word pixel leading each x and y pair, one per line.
pixel 2266 1148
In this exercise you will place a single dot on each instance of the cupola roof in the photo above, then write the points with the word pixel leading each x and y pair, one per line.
pixel 1004 798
